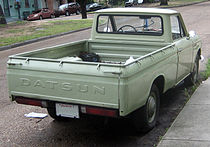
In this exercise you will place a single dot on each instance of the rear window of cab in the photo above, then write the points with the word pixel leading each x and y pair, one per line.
pixel 130 24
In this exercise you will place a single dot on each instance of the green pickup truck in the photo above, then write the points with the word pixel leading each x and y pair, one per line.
pixel 134 55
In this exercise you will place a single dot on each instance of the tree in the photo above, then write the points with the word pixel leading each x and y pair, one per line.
pixel 145 1
pixel 83 8
pixel 2 18
pixel 163 2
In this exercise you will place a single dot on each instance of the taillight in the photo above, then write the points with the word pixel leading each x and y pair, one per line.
pixel 33 102
pixel 99 111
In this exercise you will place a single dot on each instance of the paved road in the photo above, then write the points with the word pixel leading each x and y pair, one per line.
pixel 16 130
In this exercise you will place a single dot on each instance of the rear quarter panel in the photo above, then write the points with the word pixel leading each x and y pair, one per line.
pixel 137 79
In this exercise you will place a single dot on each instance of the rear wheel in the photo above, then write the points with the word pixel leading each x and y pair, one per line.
pixel 78 12
pixel 52 16
pixel 67 13
pixel 145 118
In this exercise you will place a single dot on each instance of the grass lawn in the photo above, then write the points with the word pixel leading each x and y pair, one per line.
pixel 23 30
pixel 206 73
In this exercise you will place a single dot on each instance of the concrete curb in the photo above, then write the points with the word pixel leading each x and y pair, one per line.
pixel 39 39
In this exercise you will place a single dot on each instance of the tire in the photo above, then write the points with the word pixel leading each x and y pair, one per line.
pixel 193 77
pixel 78 12
pixel 145 118
pixel 67 13
pixel 40 17
pixel 52 16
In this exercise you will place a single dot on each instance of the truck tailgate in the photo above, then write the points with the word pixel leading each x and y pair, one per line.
pixel 74 83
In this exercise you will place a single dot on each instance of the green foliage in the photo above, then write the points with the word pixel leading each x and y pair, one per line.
pixel 208 68
pixel 2 25
pixel 14 30
pixel 206 73
pixel 151 1
pixel 90 1
pixel 20 22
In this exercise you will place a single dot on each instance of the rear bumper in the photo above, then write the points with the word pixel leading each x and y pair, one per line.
pixel 83 109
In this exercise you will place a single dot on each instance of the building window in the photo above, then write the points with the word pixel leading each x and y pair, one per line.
pixel 26 4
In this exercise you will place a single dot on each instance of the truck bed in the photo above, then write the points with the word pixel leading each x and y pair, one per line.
pixel 117 52
pixel 51 74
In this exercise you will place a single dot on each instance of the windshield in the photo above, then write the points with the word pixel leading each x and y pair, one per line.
pixel 128 24
pixel 61 7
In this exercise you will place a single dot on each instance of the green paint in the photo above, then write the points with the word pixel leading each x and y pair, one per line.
pixel 111 83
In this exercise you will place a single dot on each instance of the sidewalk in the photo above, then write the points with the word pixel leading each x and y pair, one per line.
pixel 192 126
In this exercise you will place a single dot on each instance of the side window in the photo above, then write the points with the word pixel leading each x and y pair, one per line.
pixel 176 28
pixel 104 24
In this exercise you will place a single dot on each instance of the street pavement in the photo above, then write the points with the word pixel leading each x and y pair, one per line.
pixel 192 126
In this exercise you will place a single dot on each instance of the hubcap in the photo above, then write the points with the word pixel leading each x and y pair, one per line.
pixel 151 108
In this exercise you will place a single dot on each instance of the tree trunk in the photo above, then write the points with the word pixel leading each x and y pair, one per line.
pixel 83 8
pixel 164 2
pixel 2 18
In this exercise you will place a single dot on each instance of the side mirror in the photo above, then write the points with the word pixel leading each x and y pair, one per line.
pixel 192 34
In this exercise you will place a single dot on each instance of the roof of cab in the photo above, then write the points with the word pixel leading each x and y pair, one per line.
pixel 138 10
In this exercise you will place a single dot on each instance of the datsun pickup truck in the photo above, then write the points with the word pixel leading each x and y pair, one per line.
pixel 134 55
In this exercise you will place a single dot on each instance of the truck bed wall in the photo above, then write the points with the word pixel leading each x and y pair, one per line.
pixel 70 49
pixel 108 51
pixel 121 51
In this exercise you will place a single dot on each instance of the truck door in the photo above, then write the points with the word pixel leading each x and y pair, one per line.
pixel 184 48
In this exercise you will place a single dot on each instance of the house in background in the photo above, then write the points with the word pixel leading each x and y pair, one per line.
pixel 20 9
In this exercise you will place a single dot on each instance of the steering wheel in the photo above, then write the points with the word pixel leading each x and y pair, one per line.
pixel 121 28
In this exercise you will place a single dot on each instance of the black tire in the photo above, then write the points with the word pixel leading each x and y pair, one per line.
pixel 193 77
pixel 77 12
pixel 40 17
pixel 52 16
pixel 145 118
pixel 67 13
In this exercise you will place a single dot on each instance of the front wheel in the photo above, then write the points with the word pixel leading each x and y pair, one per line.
pixel 193 77
pixel 145 118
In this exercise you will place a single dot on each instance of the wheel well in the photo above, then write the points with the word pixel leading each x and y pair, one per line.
pixel 159 82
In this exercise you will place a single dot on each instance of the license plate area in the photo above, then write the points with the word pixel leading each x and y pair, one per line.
pixel 67 110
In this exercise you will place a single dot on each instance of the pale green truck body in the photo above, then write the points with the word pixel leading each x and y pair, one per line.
pixel 50 75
